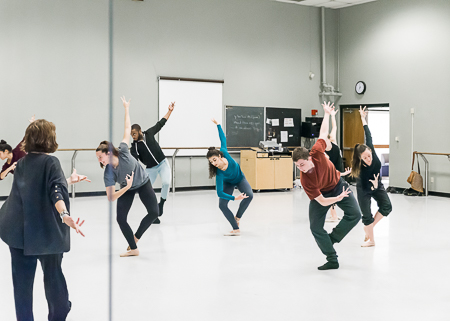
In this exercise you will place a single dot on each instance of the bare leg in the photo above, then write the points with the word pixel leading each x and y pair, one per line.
pixel 369 239
pixel 377 218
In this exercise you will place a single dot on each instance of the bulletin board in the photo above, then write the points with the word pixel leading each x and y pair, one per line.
pixel 284 125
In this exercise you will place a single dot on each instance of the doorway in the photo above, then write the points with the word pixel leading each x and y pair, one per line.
pixel 352 132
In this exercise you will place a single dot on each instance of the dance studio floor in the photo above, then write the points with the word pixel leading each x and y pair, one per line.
pixel 189 271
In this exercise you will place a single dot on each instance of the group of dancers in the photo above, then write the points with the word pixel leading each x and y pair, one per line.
pixel 29 218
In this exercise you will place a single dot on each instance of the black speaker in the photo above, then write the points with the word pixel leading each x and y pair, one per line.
pixel 310 130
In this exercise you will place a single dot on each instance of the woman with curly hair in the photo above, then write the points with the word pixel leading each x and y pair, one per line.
pixel 228 176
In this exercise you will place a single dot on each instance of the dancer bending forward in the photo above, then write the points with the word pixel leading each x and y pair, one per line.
pixel 126 171
pixel 228 176
pixel 324 186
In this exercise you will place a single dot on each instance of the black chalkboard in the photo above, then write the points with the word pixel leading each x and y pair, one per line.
pixel 291 117
pixel 244 126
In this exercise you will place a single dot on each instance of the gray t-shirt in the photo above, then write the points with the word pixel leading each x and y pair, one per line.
pixel 127 164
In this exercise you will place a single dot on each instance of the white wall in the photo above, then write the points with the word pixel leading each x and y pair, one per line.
pixel 401 50
pixel 54 62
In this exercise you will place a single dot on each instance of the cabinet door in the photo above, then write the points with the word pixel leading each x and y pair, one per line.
pixel 284 172
pixel 248 167
pixel 265 175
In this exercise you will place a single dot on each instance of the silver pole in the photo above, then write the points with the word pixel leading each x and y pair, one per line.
pixel 72 163
pixel 110 109
pixel 173 170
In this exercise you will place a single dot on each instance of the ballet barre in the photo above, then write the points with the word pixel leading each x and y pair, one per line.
pixel 427 166
pixel 177 149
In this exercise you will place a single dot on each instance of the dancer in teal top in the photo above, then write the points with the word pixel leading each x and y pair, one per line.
pixel 228 176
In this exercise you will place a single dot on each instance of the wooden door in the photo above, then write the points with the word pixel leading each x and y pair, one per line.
pixel 352 132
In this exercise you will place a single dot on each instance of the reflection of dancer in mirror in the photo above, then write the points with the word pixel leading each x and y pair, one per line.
pixel 35 222
pixel 366 168
pixel 146 149
pixel 228 176
pixel 324 186
pixel 11 156
pixel 122 168
pixel 335 156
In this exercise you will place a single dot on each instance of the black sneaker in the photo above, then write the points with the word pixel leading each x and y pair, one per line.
pixel 329 266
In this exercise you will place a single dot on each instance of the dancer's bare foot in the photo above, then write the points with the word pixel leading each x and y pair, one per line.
pixel 130 253
pixel 368 244
pixel 233 233
pixel 136 240
pixel 237 220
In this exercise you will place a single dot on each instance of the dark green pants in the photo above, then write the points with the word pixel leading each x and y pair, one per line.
pixel 317 214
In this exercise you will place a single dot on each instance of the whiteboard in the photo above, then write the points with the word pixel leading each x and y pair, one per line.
pixel 190 124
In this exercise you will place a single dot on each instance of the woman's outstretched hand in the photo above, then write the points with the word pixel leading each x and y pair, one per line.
pixel 240 197
pixel 171 106
pixel 347 171
pixel 214 121
pixel 76 226
pixel 375 181
pixel 75 178
pixel 363 112
pixel 129 178
pixel 126 103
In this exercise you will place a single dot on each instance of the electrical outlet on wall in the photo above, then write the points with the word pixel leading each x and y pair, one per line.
pixel 431 179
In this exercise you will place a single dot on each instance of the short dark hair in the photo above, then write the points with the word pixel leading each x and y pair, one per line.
pixel 300 153
pixel 40 136
pixel 138 129
pixel 106 147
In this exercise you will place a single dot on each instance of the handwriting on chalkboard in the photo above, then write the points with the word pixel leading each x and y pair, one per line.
pixel 247 116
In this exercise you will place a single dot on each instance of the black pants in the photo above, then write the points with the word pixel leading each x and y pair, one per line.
pixel 148 198
pixel 380 196
pixel 318 213
pixel 23 271
pixel 244 187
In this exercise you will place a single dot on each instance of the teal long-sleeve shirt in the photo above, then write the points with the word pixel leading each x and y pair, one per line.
pixel 233 173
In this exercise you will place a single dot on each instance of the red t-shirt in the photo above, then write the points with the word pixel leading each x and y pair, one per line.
pixel 17 154
pixel 323 177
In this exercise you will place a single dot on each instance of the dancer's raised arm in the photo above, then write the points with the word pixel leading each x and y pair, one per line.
pixel 127 130
pixel 327 108
pixel 333 126
pixel 223 139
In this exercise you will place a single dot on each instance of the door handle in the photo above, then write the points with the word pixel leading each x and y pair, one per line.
pixel 348 148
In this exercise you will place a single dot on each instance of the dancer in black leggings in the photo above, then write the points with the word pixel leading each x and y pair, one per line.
pixel 366 168
pixel 228 176
pixel 122 168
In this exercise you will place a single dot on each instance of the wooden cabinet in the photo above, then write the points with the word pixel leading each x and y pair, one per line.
pixel 264 172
